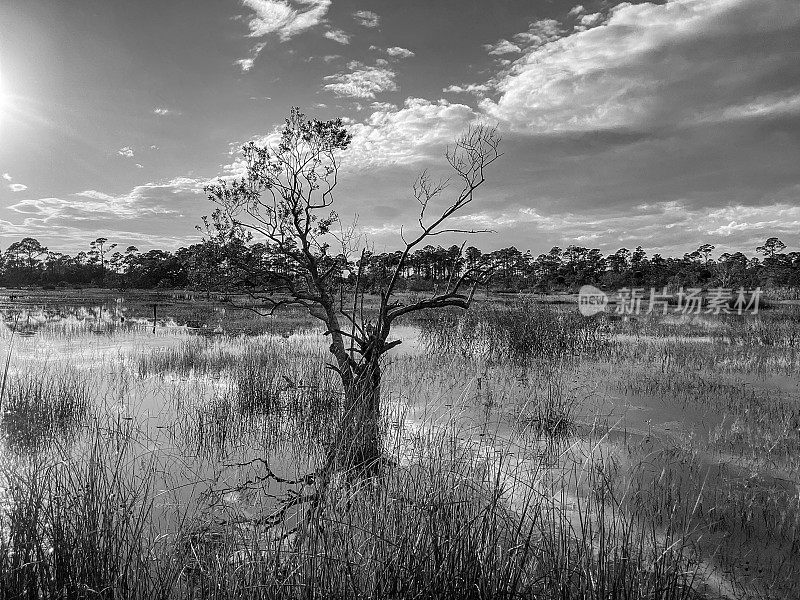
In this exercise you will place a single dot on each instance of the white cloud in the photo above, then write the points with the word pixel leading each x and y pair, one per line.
pixel 362 81
pixel 576 10
pixel 77 236
pixel 589 20
pixel 7 177
pixel 759 106
pixel 651 65
pixel 337 35
pixel 367 18
pixel 406 135
pixel 162 111
pixel 17 187
pixel 667 227
pixel 93 206
pixel 502 47
pixel 245 64
pixel 285 18
pixel 479 89
pixel 126 151
pixel 539 33
pixel 384 106
pixel 138 166
pixel 399 52
pixel 159 214
pixel 92 195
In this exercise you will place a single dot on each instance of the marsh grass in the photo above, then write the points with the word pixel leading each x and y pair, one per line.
pixel 245 390
pixel 40 408
pixel 79 528
pixel 522 331
pixel 534 499
pixel 450 520
pixel 448 524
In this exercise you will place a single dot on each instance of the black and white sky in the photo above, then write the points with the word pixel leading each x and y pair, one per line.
pixel 665 124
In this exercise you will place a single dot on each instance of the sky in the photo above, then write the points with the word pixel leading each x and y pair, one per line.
pixel 666 125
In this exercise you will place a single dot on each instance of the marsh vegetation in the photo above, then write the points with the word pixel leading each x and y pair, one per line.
pixel 531 452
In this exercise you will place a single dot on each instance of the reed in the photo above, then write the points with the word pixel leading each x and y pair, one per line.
pixel 43 407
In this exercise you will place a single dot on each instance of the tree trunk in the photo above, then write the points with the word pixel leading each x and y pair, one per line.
pixel 359 446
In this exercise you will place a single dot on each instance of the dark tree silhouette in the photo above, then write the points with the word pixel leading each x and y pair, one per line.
pixel 284 201
pixel 98 251
pixel 771 247
pixel 28 250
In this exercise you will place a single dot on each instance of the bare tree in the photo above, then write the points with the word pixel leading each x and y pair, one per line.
pixel 277 220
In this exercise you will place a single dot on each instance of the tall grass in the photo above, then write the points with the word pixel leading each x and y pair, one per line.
pixel 39 408
pixel 80 528
pixel 444 523
pixel 523 331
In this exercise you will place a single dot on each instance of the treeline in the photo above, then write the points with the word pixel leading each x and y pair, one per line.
pixel 202 266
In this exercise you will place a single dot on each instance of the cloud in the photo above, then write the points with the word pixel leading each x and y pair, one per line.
pixel 502 47
pixel 14 187
pixel 91 206
pixel 539 33
pixel 245 64
pixel 399 52
pixel 337 35
pixel 479 89
pixel 126 151
pixel 76 237
pixel 163 112
pixel 362 81
pixel 670 228
pixel 576 10
pixel 651 66
pixel 406 135
pixel 285 18
pixel 367 18
pixel 159 214
pixel 589 20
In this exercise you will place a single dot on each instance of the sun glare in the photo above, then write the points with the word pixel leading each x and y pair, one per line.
pixel 3 101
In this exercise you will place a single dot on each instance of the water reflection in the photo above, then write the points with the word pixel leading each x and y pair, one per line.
pixel 29 316
pixel 197 427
